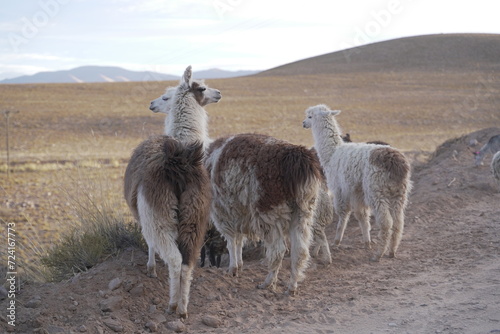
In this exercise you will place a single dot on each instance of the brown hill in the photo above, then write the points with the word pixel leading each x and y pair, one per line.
pixel 445 52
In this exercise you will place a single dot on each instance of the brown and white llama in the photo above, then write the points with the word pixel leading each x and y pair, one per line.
pixel 362 177
pixel 168 190
pixel 264 189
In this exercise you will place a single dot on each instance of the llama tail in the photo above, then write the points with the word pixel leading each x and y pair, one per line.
pixel 302 174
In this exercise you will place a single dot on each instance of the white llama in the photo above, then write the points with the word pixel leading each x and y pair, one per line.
pixel 168 191
pixel 362 177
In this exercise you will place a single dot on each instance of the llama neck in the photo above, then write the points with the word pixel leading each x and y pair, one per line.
pixel 187 122
pixel 326 134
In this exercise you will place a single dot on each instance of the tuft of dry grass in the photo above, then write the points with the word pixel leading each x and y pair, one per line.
pixel 101 230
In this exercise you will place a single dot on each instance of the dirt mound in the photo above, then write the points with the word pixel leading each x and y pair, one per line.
pixel 445 279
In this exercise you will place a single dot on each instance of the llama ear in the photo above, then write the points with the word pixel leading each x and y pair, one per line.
pixel 334 112
pixel 187 75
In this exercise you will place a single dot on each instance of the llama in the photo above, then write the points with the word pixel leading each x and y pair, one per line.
pixel 492 146
pixel 495 167
pixel 347 139
pixel 215 246
pixel 168 191
pixel 264 189
pixel 362 177
pixel 204 95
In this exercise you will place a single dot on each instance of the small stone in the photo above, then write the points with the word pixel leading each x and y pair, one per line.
pixel 114 284
pixel 152 326
pixel 211 321
pixel 111 304
pixel 33 303
pixel 114 325
pixel 82 329
pixel 393 324
pixel 137 291
pixel 152 309
pixel 177 326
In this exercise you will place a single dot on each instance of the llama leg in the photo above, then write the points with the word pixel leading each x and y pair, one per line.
pixel 397 229
pixel 341 225
pixel 317 240
pixel 202 256
pixel 239 251
pixel 363 217
pixel 300 240
pixel 151 262
pixel 233 256
pixel 342 207
pixel 211 255
pixel 326 255
pixel 174 272
pixel 275 251
pixel 185 286
pixel 384 220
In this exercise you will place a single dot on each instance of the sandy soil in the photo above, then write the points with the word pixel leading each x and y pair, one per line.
pixel 446 278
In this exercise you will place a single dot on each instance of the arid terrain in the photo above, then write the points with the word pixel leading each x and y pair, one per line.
pixel 72 140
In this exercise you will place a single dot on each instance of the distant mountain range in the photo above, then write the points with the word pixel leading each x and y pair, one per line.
pixel 114 74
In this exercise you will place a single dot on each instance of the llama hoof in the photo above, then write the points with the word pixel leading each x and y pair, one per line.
pixel 233 272
pixel 326 261
pixel 392 255
pixel 368 245
pixel 183 315
pixel 152 273
pixel 172 308
pixel 291 293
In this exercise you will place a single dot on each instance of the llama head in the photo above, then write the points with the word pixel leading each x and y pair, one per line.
pixel 163 104
pixel 201 92
pixel 316 113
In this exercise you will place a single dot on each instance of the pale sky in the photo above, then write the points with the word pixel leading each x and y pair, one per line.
pixel 167 35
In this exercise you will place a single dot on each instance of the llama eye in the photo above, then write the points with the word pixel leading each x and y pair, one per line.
pixel 202 89
pixel 164 98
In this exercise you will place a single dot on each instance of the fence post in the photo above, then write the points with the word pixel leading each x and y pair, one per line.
pixel 7 114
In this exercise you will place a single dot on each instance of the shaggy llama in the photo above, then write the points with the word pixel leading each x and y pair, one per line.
pixel 264 189
pixel 168 191
pixel 362 177
pixel 492 146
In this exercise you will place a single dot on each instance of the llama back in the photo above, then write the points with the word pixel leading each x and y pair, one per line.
pixel 279 171
pixel 359 158
pixel 163 166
